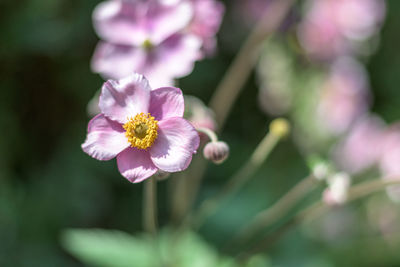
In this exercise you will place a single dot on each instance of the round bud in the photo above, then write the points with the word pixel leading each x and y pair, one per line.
pixel 217 152
pixel 279 127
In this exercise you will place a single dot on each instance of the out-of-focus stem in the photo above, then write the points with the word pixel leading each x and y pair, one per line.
pixel 150 205
pixel 238 72
pixel 213 137
pixel 273 214
pixel 209 206
pixel 317 209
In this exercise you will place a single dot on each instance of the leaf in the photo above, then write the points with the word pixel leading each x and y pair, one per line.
pixel 108 248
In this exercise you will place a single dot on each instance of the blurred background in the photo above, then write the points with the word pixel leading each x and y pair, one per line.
pixel 47 183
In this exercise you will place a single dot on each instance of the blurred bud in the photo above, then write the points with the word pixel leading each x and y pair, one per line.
pixel 216 152
pixel 161 175
pixel 319 167
pixel 198 113
pixel 320 171
pixel 279 127
pixel 337 191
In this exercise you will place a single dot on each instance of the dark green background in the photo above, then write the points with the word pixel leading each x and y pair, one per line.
pixel 48 184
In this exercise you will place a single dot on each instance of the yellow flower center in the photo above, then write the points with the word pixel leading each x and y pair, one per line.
pixel 141 130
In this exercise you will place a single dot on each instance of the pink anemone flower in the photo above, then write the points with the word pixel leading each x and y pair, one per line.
pixel 146 37
pixel 142 128
pixel 206 21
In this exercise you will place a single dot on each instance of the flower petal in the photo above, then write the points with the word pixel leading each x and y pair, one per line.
pixel 165 20
pixel 117 61
pixel 178 53
pixel 105 138
pixel 119 22
pixel 135 165
pixel 166 102
pixel 176 142
pixel 125 98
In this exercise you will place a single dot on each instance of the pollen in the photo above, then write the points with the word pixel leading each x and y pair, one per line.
pixel 141 130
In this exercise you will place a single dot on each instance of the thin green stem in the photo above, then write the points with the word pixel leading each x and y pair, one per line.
pixel 150 205
pixel 209 206
pixel 274 213
pixel 230 86
pixel 318 208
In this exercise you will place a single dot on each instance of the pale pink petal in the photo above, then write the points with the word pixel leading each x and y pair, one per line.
pixel 174 58
pixel 125 98
pixel 166 102
pixel 165 20
pixel 118 61
pixel 207 18
pixel 119 22
pixel 176 142
pixel 135 165
pixel 105 138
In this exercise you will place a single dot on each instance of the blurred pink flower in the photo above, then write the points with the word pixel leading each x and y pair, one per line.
pixel 390 160
pixel 206 22
pixel 344 96
pixel 333 27
pixel 146 37
pixel 143 128
pixel 361 148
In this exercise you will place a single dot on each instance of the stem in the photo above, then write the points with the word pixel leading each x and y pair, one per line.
pixel 273 214
pixel 239 71
pixel 150 205
pixel 318 208
pixel 213 137
pixel 209 206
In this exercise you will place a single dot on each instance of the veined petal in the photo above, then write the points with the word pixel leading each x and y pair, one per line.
pixel 135 165
pixel 117 61
pixel 105 138
pixel 125 98
pixel 119 22
pixel 176 142
pixel 166 102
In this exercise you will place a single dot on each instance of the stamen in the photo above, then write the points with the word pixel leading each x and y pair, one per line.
pixel 141 130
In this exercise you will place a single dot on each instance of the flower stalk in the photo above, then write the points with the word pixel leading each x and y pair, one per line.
pixel 278 210
pixel 150 205
pixel 260 154
pixel 317 209
pixel 239 71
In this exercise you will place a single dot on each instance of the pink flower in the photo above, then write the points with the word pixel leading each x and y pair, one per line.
pixel 147 37
pixel 390 160
pixel 344 96
pixel 335 27
pixel 142 128
pixel 206 22
pixel 362 147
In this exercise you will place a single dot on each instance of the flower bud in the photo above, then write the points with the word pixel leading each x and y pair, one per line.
pixel 337 191
pixel 279 127
pixel 217 152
